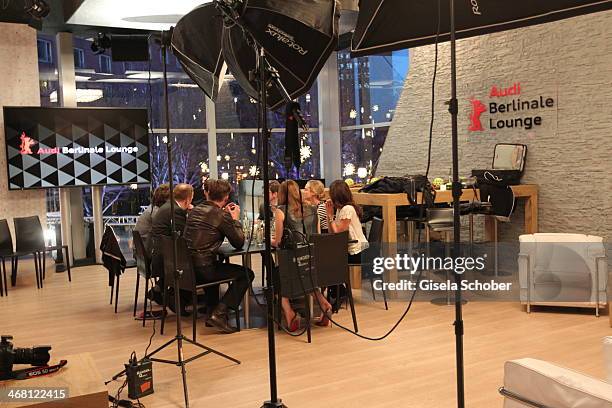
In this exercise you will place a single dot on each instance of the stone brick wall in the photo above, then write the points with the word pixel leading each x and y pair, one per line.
pixel 18 87
pixel 569 155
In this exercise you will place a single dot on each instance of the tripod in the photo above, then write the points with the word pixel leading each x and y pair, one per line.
pixel 179 338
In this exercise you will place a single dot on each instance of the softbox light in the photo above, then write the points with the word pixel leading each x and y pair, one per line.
pixel 388 25
pixel 196 41
pixel 298 36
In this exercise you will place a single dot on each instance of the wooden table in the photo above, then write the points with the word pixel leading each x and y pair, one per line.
pixel 390 202
pixel 80 377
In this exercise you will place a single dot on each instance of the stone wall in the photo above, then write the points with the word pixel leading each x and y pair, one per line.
pixel 569 154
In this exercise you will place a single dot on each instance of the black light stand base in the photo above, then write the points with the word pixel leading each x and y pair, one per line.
pixel 60 267
pixel 270 404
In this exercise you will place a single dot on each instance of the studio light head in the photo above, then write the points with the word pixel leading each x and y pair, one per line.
pixel 38 9
pixel 100 44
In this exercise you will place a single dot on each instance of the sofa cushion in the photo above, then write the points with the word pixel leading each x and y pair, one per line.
pixel 554 386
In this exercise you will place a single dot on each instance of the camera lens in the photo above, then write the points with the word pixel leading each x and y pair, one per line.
pixel 36 356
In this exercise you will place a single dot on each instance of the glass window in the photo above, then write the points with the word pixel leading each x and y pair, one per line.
pixel 47 70
pixel 361 150
pixel 189 158
pixel 129 86
pixel 370 88
pixel 238 156
pixel 236 110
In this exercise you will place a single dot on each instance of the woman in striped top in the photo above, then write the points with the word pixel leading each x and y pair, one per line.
pixel 315 195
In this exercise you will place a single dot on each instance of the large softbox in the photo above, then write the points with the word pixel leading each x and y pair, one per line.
pixel 196 42
pixel 387 25
pixel 298 36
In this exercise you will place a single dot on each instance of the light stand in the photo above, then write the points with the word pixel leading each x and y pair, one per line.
pixel 179 338
pixel 261 68
pixel 454 111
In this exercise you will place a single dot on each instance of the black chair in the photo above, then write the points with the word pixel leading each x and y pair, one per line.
pixel 331 264
pixel 6 251
pixel 187 281
pixel 29 238
pixel 373 251
pixel 114 261
pixel 143 267
pixel 296 279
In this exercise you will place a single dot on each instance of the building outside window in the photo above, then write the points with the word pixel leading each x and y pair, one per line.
pixel 79 58
pixel 105 64
pixel 45 54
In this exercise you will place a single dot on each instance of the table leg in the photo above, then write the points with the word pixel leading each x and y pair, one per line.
pixel 531 214
pixel 390 241
pixel 246 261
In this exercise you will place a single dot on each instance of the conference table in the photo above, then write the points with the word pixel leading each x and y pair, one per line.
pixel 390 202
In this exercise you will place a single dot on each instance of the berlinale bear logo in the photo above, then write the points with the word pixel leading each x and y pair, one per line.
pixel 26 144
pixel 478 109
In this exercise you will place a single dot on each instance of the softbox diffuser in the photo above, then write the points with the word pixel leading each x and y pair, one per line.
pixel 196 42
pixel 298 36
pixel 388 25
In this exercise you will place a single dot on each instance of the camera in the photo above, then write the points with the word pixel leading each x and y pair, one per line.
pixel 9 355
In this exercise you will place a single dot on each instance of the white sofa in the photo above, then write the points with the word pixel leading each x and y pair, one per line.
pixel 531 383
pixel 563 270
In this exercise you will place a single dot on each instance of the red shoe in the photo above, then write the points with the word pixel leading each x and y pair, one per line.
pixel 295 324
pixel 324 321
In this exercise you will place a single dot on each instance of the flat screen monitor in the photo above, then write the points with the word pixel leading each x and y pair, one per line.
pixel 59 147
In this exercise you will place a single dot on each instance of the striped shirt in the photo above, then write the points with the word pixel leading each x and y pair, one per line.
pixel 322 213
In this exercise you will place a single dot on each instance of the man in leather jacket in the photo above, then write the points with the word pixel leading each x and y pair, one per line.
pixel 208 225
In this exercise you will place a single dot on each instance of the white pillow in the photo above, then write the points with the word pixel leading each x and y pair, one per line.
pixel 607 346
pixel 554 386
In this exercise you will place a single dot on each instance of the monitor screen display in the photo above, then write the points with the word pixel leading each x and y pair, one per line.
pixel 57 147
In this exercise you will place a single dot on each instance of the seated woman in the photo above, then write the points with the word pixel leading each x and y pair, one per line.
pixel 314 194
pixel 291 214
pixel 344 215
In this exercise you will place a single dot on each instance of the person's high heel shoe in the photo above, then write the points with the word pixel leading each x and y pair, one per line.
pixel 295 323
pixel 324 321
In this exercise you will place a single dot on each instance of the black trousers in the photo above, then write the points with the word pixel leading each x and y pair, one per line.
pixel 233 296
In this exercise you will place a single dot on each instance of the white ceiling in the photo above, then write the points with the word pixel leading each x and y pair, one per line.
pixel 137 14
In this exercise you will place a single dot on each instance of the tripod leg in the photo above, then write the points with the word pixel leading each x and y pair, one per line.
pixel 2 273
pixel 136 293
pixel 14 270
pixel 117 293
pixel 350 298
pixel 144 306
pixel 38 286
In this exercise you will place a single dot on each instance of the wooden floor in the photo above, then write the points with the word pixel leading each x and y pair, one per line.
pixel 414 367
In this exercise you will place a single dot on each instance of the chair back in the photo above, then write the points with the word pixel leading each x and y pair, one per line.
pixel 6 240
pixel 143 260
pixel 183 263
pixel 29 235
pixel 376 231
pixel 331 258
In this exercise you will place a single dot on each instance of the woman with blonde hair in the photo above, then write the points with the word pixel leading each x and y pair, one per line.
pixel 291 214
pixel 315 195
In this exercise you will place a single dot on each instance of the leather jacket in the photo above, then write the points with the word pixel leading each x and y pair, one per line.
pixel 207 227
